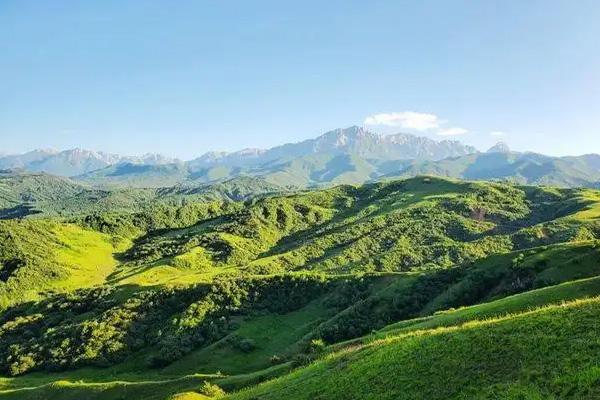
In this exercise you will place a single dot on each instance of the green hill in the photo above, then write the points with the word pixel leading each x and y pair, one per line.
pixel 542 354
pixel 512 313
pixel 210 284
pixel 523 168
pixel 136 175
pixel 41 257
pixel 25 194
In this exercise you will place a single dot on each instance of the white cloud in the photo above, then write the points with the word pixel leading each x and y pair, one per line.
pixel 452 131
pixel 406 119
pixel 497 133
pixel 415 121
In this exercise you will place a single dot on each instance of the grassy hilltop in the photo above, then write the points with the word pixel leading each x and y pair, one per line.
pixel 419 288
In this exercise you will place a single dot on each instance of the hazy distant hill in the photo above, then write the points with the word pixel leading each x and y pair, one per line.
pixel 499 163
pixel 137 175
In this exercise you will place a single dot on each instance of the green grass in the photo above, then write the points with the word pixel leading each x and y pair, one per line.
pixel 165 274
pixel 549 353
pixel 188 396
pixel 544 266
pixel 273 335
pixel 522 302
pixel 425 244
pixel 567 291
pixel 591 199
pixel 116 390
pixel 88 255
pixel 54 258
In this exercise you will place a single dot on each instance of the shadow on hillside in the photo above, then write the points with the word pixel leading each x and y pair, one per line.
pixel 20 211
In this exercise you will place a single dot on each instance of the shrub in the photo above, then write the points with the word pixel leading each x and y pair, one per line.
pixel 246 345
pixel 211 390
pixel 275 359
pixel 317 346
pixel 22 365
pixel 301 359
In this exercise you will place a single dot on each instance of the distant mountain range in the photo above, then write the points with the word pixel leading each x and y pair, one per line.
pixel 354 140
pixel 75 161
pixel 352 155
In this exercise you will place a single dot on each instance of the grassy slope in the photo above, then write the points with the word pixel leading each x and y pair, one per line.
pixel 89 255
pixel 549 265
pixel 116 390
pixel 406 225
pixel 592 209
pixel 518 303
pixel 57 258
pixel 333 237
pixel 275 340
pixel 346 229
pixel 542 354
pixel 563 292
pixel 273 335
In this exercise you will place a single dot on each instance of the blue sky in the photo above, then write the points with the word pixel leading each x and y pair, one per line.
pixel 182 78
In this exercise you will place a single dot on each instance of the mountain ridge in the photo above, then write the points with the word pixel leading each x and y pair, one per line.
pixel 354 139
pixel 352 155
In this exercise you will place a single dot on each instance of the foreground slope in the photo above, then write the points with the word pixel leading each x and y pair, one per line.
pixel 548 353
pixel 519 348
pixel 282 326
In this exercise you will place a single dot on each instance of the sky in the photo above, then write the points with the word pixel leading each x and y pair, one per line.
pixel 185 77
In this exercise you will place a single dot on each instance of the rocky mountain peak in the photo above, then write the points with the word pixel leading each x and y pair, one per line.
pixel 500 147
